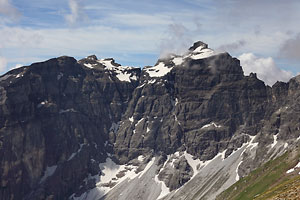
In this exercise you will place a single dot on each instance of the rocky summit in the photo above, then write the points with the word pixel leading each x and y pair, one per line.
pixel 187 128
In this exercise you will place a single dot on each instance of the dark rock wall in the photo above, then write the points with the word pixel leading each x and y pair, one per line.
pixel 176 107
pixel 58 119
pixel 56 113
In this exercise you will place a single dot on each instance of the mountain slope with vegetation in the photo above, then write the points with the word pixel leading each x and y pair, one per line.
pixel 270 181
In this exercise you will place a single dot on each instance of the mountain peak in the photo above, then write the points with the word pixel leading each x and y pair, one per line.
pixel 92 57
pixel 174 127
pixel 197 45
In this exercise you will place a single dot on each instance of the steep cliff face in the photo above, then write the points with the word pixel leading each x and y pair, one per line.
pixel 200 103
pixel 94 129
pixel 55 117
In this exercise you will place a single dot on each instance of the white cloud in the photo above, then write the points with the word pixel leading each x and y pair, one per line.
pixel 140 20
pixel 17 66
pixel 179 37
pixel 291 48
pixel 232 46
pixel 265 68
pixel 77 13
pixel 130 27
pixel 7 9
pixel 18 37
pixel 27 45
pixel 263 25
pixel 176 41
pixel 3 64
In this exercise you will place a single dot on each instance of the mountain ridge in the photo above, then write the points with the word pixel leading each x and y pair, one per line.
pixel 188 127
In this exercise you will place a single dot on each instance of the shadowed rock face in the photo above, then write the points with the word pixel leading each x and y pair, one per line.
pixel 175 107
pixel 55 114
pixel 59 119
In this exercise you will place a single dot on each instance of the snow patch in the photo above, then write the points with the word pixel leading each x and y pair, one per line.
pixel 206 171
pixel 194 163
pixel 74 154
pixel 48 172
pixel 178 60
pixel 126 77
pixel 59 76
pixel 164 189
pixel 174 157
pixel 197 164
pixel 298 165
pixel 152 81
pixel 88 65
pixel 223 154
pixel 274 141
pixel 112 175
pixel 176 119
pixel 177 153
pixel 109 170
pixel 20 75
pixel 201 53
pixel 293 169
pixel 211 124
pixel 42 104
pixel 290 170
pixel 199 49
pixel 141 85
pixel 122 72
pixel 139 122
pixel 141 158
pixel 134 78
pixel 247 146
pixel 158 70
pixel 237 178
pixel 131 119
pixel 67 110
pixel 252 144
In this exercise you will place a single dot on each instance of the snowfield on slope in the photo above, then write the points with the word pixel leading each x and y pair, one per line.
pixel 160 69
pixel 146 185
pixel 122 72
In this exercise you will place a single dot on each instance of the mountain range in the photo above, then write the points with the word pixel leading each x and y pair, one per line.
pixel 192 126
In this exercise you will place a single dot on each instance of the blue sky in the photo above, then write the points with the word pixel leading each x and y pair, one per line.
pixel 138 32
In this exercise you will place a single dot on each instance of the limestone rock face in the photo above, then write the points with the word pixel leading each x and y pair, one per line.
pixel 55 119
pixel 199 103
pixel 61 118
pixel 176 172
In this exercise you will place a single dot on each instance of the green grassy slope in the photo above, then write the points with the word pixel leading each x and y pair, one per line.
pixel 268 181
